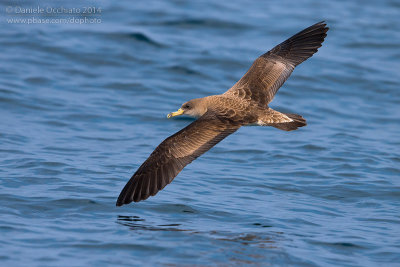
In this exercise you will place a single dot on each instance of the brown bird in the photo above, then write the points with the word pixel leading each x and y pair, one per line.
pixel 246 103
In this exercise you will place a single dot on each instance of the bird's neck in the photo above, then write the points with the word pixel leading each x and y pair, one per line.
pixel 201 106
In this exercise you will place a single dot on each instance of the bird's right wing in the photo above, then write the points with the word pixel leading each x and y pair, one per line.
pixel 173 154
pixel 272 69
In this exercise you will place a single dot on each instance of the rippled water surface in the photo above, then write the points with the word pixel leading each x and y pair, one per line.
pixel 83 105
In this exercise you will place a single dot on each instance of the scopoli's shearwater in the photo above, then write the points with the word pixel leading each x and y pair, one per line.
pixel 246 103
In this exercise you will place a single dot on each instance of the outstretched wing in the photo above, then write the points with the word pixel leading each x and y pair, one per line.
pixel 173 154
pixel 272 69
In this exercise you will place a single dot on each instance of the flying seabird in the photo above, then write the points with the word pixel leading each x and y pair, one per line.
pixel 246 103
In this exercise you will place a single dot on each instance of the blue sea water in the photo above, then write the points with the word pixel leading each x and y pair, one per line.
pixel 83 105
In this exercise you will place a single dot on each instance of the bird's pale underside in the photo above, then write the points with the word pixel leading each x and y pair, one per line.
pixel 246 103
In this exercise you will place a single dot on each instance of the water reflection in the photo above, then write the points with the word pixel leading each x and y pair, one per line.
pixel 260 239
pixel 254 248
pixel 136 223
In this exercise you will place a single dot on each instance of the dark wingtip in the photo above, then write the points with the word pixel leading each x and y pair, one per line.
pixel 319 25
pixel 122 200
pixel 119 202
pixel 323 24
pixel 302 45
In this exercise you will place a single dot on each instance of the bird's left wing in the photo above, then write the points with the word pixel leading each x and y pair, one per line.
pixel 173 154
pixel 272 69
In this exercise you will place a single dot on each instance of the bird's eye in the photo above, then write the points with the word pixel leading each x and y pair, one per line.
pixel 187 106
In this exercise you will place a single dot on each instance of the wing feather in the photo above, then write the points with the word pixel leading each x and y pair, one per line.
pixel 270 71
pixel 173 154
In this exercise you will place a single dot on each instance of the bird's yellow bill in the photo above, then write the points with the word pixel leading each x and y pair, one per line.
pixel 176 113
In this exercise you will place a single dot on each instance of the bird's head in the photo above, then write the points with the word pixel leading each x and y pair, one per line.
pixel 194 108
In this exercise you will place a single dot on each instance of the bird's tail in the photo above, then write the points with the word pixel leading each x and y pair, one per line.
pixel 298 121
